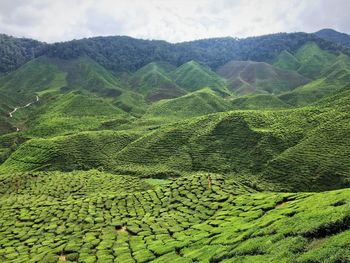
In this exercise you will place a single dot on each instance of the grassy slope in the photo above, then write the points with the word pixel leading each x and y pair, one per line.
pixel 286 60
pixel 192 76
pixel 249 141
pixel 59 110
pixel 334 77
pixel 72 112
pixel 84 73
pixel 35 76
pixel 258 101
pixel 313 60
pixel 247 77
pixel 297 149
pixel 84 219
pixel 201 102
pixel 154 81
pixel 19 88
pixel 82 151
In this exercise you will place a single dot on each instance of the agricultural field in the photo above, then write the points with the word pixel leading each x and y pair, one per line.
pixel 94 216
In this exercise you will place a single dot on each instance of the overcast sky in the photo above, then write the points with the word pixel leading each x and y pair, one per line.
pixel 171 20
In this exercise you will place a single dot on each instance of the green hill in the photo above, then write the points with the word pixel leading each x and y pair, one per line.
pixel 287 61
pixel 201 102
pixel 313 60
pixel 334 78
pixel 192 76
pixel 35 76
pixel 87 74
pixel 258 102
pixel 79 151
pixel 72 112
pixel 248 76
pixel 273 144
pixel 154 82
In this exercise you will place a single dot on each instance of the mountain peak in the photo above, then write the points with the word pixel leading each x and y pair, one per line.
pixel 334 36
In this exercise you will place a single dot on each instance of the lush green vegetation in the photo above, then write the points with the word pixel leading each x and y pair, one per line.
pixel 114 149
pixel 201 102
pixel 121 53
pixel 66 217
pixel 14 52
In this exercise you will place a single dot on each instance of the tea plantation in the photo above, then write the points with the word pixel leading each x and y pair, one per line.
pixel 98 217
pixel 191 156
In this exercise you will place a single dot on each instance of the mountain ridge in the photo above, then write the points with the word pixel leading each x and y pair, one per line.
pixel 107 51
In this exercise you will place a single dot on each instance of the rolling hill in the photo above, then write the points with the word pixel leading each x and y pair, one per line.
pixel 192 76
pixel 154 81
pixel 249 77
pixel 334 78
pixel 313 60
pixel 200 102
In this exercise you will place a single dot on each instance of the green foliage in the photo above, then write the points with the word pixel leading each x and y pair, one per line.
pixel 335 77
pixel 84 216
pixel 154 81
pixel 286 60
pixel 201 102
pixel 14 52
pixel 193 76
pixel 258 101
pixel 313 60
pixel 82 151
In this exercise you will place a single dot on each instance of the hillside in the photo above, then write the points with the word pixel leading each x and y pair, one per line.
pixel 249 77
pixel 287 61
pixel 136 53
pixel 14 52
pixel 313 60
pixel 192 76
pixel 334 78
pixel 201 102
pixel 268 143
pixel 154 81
pixel 258 102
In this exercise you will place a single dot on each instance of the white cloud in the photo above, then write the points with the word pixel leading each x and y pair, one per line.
pixel 171 20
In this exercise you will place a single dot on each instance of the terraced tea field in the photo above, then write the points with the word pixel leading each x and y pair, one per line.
pixel 98 217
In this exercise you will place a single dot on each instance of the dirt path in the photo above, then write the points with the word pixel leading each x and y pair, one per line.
pixel 240 76
pixel 21 107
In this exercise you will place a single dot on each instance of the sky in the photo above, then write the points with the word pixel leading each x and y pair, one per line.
pixel 170 20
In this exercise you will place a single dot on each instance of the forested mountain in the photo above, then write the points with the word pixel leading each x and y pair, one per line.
pixel 14 52
pixel 122 53
pixel 334 36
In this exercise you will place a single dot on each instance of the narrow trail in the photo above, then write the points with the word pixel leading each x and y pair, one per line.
pixel 21 107
pixel 240 76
